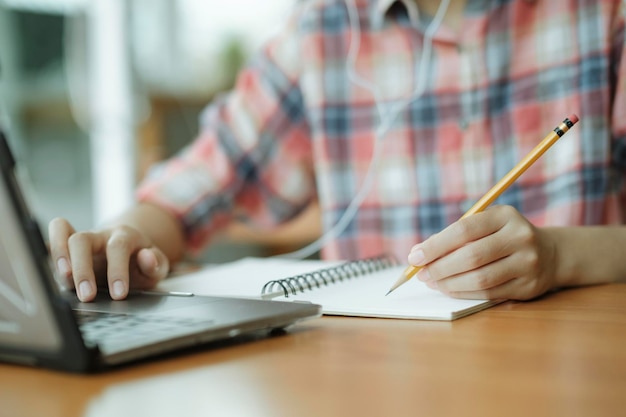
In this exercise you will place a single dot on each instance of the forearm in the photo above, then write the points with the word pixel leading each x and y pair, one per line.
pixel 589 255
pixel 159 226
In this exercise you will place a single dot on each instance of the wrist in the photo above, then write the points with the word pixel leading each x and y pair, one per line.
pixel 564 267
pixel 586 255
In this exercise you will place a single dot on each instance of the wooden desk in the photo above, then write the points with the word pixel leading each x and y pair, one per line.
pixel 563 355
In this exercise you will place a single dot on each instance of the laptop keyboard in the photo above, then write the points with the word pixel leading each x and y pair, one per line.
pixel 117 328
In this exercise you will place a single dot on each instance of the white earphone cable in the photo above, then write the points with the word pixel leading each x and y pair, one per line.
pixel 387 115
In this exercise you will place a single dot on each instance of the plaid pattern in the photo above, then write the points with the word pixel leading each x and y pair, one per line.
pixel 296 127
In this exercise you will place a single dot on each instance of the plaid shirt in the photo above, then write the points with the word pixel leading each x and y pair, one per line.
pixel 296 127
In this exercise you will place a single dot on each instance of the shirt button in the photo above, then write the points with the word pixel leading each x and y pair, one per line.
pixel 463 124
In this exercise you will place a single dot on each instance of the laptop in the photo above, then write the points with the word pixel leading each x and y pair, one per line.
pixel 41 325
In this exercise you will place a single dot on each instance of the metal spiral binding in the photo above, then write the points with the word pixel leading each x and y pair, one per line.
pixel 326 276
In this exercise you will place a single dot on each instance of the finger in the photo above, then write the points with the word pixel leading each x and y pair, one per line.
pixel 455 236
pixel 484 278
pixel 467 258
pixel 152 265
pixel 504 291
pixel 510 282
pixel 59 231
pixel 82 247
pixel 120 247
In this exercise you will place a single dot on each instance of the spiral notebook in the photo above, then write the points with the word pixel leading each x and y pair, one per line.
pixel 355 288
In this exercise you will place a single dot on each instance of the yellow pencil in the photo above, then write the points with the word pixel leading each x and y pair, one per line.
pixel 504 183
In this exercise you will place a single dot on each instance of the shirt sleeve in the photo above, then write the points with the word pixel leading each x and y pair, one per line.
pixel 252 157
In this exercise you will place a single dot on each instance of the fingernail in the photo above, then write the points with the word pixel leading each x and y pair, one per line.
pixel 423 275
pixel 416 257
pixel 63 266
pixel 433 285
pixel 84 289
pixel 119 289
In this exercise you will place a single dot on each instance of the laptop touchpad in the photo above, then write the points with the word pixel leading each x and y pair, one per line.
pixel 140 303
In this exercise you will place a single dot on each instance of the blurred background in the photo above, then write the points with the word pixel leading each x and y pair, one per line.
pixel 92 92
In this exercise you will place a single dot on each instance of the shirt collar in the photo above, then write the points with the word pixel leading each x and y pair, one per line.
pixel 383 6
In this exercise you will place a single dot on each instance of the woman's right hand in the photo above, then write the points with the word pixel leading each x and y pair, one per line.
pixel 118 258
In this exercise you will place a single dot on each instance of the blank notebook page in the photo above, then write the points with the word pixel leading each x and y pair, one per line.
pixel 365 296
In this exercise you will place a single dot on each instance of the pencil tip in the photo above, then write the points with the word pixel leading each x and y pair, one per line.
pixel 388 292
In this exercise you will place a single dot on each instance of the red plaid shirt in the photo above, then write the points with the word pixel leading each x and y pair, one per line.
pixel 296 127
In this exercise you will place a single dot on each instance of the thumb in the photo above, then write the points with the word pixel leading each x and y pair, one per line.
pixel 153 264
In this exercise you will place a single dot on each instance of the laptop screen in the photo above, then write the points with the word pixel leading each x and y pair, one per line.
pixel 27 320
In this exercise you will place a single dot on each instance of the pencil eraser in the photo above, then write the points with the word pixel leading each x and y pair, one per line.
pixel 573 118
